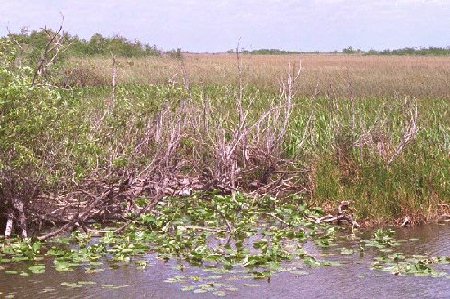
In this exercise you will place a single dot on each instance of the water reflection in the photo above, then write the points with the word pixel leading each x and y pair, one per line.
pixel 353 279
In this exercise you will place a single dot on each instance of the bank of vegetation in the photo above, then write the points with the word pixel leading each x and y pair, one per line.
pixel 407 51
pixel 430 51
pixel 112 147
pixel 32 44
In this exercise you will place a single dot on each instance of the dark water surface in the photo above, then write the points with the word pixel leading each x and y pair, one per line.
pixel 353 279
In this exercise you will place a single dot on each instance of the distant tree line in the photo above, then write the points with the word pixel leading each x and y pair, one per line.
pixel 431 51
pixel 271 52
pixel 264 51
pixel 32 44
pixel 351 50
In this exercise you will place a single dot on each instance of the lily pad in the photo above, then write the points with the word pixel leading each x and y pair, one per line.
pixel 220 293
pixel 346 251
pixel 11 272
pixel 187 288
pixel 37 269
pixel 299 272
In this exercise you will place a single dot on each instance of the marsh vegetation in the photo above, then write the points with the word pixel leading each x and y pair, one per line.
pixel 218 161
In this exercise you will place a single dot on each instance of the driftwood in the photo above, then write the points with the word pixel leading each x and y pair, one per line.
pixel 342 215
pixel 82 207
pixel 406 221
pixel 444 218
pixel 79 219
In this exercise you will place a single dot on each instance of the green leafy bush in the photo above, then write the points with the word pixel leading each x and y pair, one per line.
pixel 42 139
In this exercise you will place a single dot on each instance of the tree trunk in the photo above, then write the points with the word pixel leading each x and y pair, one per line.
pixel 9 224
pixel 18 205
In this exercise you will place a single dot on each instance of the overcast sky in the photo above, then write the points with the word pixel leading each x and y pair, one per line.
pixel 217 25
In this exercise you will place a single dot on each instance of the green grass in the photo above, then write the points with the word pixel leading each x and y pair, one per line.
pixel 54 139
pixel 414 184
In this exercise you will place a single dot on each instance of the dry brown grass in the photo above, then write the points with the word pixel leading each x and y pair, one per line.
pixel 324 75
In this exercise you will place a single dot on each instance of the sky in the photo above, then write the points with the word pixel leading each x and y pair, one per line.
pixel 218 25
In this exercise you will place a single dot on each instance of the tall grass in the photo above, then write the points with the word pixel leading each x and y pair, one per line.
pixel 339 101
pixel 326 138
pixel 336 76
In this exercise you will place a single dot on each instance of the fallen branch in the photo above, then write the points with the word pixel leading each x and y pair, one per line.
pixel 77 220
pixel 342 215
pixel 195 227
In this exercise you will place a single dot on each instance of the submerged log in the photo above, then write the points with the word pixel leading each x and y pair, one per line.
pixel 338 219
pixel 342 215
pixel 444 218
pixel 406 221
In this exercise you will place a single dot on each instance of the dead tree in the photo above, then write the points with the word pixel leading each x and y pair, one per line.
pixel 50 53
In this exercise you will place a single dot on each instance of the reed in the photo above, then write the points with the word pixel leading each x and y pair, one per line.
pixel 370 129
pixel 338 76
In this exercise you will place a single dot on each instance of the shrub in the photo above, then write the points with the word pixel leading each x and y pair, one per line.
pixel 41 138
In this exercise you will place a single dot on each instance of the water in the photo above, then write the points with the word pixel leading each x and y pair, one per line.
pixel 353 279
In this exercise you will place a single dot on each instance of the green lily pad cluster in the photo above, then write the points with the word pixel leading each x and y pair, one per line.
pixel 383 239
pixel 228 231
pixel 415 265
pixel 400 264
pixel 204 284
pixel 225 235
pixel 203 230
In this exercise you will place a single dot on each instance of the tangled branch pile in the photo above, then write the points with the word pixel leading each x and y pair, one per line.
pixel 67 160
pixel 66 166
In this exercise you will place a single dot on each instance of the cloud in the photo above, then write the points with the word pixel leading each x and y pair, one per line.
pixel 217 25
